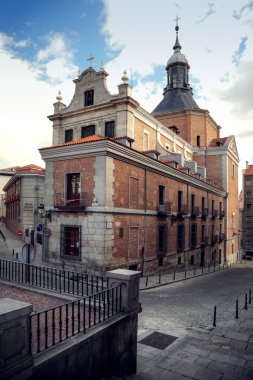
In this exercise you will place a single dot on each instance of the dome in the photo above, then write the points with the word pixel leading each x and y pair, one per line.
pixel 177 57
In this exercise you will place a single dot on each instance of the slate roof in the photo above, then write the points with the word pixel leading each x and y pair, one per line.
pixel 175 99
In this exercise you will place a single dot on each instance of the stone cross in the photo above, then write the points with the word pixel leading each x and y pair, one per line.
pixel 90 60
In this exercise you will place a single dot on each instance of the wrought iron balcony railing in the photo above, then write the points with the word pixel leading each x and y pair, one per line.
pixel 164 209
pixel 214 214
pixel 63 202
pixel 204 213
pixel 222 214
pixel 204 241
pixel 194 212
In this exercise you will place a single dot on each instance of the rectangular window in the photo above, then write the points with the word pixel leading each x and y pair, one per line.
pixel 203 233
pixel 248 194
pixel 162 238
pixel 233 170
pixel 73 189
pixel 110 129
pixel 193 203
pixel 88 98
pixel 87 131
pixel 68 135
pixel 248 206
pixel 70 241
pixel 161 195
pixel 193 235
pixel 133 192
pixel 180 237
pixel 248 181
pixel 145 141
pixel 203 205
pixel 212 207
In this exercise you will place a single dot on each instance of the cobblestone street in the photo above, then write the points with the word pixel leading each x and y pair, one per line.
pixel 191 302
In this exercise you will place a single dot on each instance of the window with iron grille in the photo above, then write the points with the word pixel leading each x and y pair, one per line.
pixel 88 98
pixel 162 238
pixel 109 128
pixel 71 241
pixel 68 135
pixel 87 131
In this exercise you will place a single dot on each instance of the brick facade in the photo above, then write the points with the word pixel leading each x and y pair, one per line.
pixel 153 198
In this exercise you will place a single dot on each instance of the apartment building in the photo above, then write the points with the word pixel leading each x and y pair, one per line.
pixel 23 194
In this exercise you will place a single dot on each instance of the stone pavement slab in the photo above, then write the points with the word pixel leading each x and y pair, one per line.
pixel 222 353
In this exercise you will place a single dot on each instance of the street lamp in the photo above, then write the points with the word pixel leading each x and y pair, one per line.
pixel 47 215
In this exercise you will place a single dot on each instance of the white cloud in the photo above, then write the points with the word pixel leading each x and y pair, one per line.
pixel 26 101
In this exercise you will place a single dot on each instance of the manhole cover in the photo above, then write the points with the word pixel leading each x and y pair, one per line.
pixel 158 340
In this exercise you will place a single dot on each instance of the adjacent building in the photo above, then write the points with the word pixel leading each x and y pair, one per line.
pixel 5 175
pixel 24 192
pixel 247 214
pixel 126 188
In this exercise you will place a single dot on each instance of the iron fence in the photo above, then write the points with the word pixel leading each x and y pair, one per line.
pixel 59 280
pixel 50 327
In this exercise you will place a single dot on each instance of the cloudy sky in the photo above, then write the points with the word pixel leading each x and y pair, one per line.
pixel 43 44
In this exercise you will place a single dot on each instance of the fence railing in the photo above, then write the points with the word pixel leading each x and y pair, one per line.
pixel 59 280
pixel 176 275
pixel 55 325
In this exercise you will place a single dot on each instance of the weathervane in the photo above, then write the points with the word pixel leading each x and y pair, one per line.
pixel 90 60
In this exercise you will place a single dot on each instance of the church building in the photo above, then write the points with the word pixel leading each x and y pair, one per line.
pixel 126 188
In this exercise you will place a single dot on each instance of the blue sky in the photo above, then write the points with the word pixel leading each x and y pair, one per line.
pixel 43 44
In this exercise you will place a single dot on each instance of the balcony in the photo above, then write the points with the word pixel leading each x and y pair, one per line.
pixel 194 213
pixel 214 214
pixel 222 214
pixel 164 209
pixel 204 213
pixel 204 241
pixel 182 211
pixel 63 203
pixel 221 237
pixel 214 240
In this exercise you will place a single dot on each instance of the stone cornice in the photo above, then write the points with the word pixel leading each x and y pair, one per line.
pixel 121 152
pixel 112 103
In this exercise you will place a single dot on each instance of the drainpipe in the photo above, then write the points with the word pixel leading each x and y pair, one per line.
pixel 145 220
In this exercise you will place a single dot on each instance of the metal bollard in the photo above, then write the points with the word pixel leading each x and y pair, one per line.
pixel 236 309
pixel 159 278
pixel 185 273
pixel 250 296
pixel 146 281
pixel 246 301
pixel 174 276
pixel 214 316
pixel 16 255
pixel 13 252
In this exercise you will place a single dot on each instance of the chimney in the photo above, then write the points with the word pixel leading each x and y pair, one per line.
pixel 247 164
